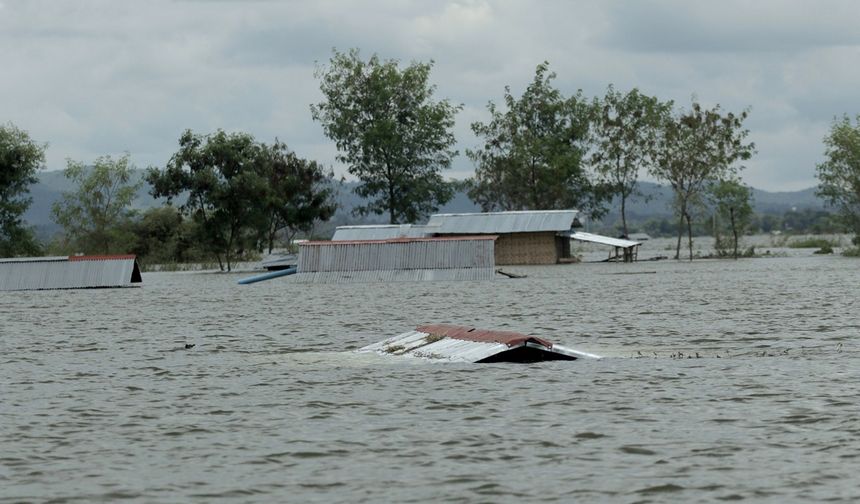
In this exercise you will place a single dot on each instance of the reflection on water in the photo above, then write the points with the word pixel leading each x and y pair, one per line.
pixel 726 380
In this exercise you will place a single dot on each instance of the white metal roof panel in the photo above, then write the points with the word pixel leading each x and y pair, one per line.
pixel 604 240
pixel 529 221
pixel 416 344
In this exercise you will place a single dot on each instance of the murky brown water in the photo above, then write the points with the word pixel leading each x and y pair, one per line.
pixel 100 401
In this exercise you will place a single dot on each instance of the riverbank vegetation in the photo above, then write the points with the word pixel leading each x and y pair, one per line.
pixel 228 197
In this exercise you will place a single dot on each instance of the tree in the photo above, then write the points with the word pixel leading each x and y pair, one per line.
pixel 694 148
pixel 626 130
pixel 839 174
pixel 299 193
pixel 95 216
pixel 163 236
pixel 20 159
pixel 390 132
pixel 221 175
pixel 732 207
pixel 533 152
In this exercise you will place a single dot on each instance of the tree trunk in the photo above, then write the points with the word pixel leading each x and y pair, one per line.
pixel 734 231
pixel 391 219
pixel 690 234
pixel 623 214
pixel 220 264
pixel 680 234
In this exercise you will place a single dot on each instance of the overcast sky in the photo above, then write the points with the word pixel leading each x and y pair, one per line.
pixel 105 77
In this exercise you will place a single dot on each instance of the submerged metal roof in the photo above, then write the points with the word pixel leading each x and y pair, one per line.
pixel 529 221
pixel 381 232
pixel 451 343
pixel 403 259
pixel 604 240
pixel 73 272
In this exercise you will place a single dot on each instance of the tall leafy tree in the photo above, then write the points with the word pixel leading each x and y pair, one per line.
pixel 697 147
pixel 390 132
pixel 20 159
pixel 299 193
pixel 534 150
pixel 733 212
pixel 626 130
pixel 95 216
pixel 221 175
pixel 839 174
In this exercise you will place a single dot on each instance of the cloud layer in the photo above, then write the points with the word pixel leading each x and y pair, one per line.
pixel 105 77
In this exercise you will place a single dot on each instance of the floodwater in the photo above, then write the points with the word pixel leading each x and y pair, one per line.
pixel 724 380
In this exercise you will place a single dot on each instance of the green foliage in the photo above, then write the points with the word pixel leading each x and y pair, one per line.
pixel 851 252
pixel 95 216
pixel 298 193
pixel 839 174
pixel 827 249
pixel 164 236
pixel 697 147
pixel 812 243
pixel 221 174
pixel 240 194
pixel 390 132
pixel 20 159
pixel 732 214
pixel 534 151
pixel 627 127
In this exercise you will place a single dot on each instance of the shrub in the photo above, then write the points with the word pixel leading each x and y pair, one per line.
pixel 820 243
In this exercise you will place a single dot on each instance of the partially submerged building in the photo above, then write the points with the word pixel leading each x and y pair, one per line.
pixel 524 237
pixel 451 343
pixel 397 259
pixel 72 272
pixel 624 250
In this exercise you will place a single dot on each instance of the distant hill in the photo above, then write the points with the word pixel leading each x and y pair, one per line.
pixel 654 204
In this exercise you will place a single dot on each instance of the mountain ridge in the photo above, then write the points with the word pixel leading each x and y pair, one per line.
pixel 655 202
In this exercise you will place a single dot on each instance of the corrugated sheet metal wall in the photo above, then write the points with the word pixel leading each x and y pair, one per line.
pixel 405 255
pixel 415 275
pixel 61 273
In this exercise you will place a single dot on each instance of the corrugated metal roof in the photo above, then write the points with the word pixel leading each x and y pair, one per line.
pixel 380 232
pixel 604 240
pixel 448 343
pixel 504 222
pixel 74 272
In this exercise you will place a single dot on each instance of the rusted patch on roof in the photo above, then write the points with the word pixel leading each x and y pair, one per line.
pixel 467 333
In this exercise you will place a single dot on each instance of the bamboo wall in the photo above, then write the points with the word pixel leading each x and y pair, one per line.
pixel 528 248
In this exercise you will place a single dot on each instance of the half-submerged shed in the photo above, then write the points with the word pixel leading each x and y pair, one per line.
pixel 72 272
pixel 525 237
pixel 398 259
pixel 625 250
pixel 451 343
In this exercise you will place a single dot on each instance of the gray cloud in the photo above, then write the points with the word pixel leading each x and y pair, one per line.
pixel 101 77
